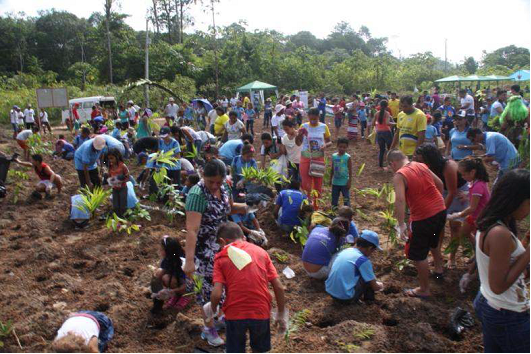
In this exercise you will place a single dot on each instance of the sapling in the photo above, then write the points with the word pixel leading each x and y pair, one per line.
pixel 92 200
pixel 18 177
pixel 116 223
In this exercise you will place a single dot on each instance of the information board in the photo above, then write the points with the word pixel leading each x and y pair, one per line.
pixel 52 97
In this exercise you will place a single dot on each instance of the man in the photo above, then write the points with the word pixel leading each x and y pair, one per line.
pixel 436 98
pixel 499 105
pixel 85 161
pixel 233 102
pixel 394 105
pixel 29 117
pixel 81 138
pixel 419 188
pixel 351 276
pixel 276 122
pixel 225 103
pixel 245 271
pixel 171 109
pixel 322 108
pixel 133 113
pixel 498 148
pixel 411 127
pixel 211 117
pixel 14 116
pixel 467 104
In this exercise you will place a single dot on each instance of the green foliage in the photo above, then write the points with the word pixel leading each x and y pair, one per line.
pixel 296 322
pixel 137 213
pixel 118 224
pixel 362 167
pixel 403 263
pixel 281 257
pixel 456 242
pixel 194 154
pixel 363 332
pixel 267 176
pixel 17 177
pixel 5 330
pixel 38 146
pixel 198 285
pixel 165 157
pixel 92 200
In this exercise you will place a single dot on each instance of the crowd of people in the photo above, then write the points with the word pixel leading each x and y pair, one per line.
pixel 437 150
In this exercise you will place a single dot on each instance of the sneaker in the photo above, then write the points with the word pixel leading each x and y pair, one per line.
pixel 212 337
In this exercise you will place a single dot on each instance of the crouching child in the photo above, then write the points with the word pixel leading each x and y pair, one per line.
pixel 84 332
pixel 352 277
pixel 47 178
pixel 244 270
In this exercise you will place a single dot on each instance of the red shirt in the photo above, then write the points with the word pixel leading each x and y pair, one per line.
pixel 120 169
pixel 422 196
pixel 247 290
pixel 43 175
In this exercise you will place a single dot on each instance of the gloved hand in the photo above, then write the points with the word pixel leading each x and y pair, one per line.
pixel 463 283
pixel 281 321
pixel 380 286
pixel 164 294
pixel 209 312
pixel 402 231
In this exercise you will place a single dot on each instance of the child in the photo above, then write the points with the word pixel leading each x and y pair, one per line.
pixel 431 131
pixel 43 116
pixel 191 181
pixel 22 140
pixel 188 113
pixel 353 121
pixel 351 276
pixel 244 271
pixel 117 131
pixel 474 172
pixel 171 275
pixel 338 115
pixel 245 160
pixel 64 149
pixel 268 113
pixel 288 205
pixel 251 116
pixel 341 173
pixel 81 138
pixel 448 112
pixel 352 232
pixel 362 115
pixel 48 179
pixel 84 332
pixel 119 175
pixel 80 217
pixel 210 152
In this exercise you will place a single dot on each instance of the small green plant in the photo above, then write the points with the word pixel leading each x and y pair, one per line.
pixel 198 285
pixel 363 333
pixel 118 224
pixel 194 154
pixel 456 242
pixel 92 200
pixel 403 263
pixel 268 176
pixel 300 234
pixel 363 215
pixel 167 158
pixel 38 146
pixel 296 322
pixel 18 177
pixel 109 123
pixel 5 330
pixel 281 257
pixel 362 167
pixel 137 213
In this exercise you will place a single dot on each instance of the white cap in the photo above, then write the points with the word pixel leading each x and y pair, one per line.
pixel 98 142
pixel 171 99
pixel 130 102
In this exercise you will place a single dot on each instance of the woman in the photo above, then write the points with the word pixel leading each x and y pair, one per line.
pixel 321 248
pixel 502 304
pixel 291 149
pixel 458 138
pixel 124 115
pixel 455 190
pixel 314 137
pixel 144 129
pixel 207 206
pixel 384 136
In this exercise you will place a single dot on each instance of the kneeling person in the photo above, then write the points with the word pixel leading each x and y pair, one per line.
pixel 48 179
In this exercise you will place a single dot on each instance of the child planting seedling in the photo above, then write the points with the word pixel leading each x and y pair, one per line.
pixel 119 175
pixel 47 178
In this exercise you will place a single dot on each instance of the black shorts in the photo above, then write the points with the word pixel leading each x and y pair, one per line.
pixel 259 333
pixel 424 236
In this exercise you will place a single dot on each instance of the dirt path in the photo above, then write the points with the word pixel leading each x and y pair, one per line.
pixel 47 269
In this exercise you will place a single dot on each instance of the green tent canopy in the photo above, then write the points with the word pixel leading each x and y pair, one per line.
pixel 256 86
pixel 453 78
pixel 496 78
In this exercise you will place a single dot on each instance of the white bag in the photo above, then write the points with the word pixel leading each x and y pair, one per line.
pixel 281 165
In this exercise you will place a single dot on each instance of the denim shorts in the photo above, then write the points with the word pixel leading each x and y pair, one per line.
pixel 106 328
pixel 259 333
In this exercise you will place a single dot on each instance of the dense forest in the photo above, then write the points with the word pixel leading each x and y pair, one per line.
pixel 101 54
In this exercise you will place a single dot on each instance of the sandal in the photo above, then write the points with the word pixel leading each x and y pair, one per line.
pixel 412 293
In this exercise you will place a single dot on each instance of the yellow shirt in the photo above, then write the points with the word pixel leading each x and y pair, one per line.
pixel 394 106
pixel 410 125
pixel 219 124
pixel 245 101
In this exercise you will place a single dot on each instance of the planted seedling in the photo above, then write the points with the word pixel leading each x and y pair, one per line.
pixel 363 333
pixel 118 224
pixel 37 146
pixel 298 321
pixel 281 257
pixel 198 285
pixel 18 177
pixel 92 200
pixel 403 263
pixel 137 213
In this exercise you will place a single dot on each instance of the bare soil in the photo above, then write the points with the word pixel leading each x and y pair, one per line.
pixel 47 269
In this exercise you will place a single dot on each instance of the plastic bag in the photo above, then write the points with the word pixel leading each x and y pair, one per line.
pixel 459 320
pixel 280 165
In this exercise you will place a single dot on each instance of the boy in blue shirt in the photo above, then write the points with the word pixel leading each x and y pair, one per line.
pixel 290 201
pixel 362 116
pixel 352 277
pixel 341 176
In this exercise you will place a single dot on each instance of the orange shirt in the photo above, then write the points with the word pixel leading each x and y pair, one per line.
pixel 422 196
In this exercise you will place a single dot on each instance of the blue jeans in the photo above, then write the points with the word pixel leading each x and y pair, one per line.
pixel 249 126
pixel 504 331
pixel 106 329
pixel 336 190
pixel 259 333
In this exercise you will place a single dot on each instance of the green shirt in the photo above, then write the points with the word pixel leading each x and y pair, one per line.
pixel 340 166
pixel 196 200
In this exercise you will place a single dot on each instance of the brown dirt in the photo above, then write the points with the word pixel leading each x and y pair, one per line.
pixel 47 269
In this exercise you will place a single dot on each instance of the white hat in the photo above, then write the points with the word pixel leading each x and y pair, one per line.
pixel 98 142
pixel 279 108
pixel 288 102
pixel 130 102
pixel 171 99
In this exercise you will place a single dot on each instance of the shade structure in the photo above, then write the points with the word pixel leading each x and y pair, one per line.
pixel 473 78
pixel 256 86
pixel 496 78
pixel 453 78
pixel 520 75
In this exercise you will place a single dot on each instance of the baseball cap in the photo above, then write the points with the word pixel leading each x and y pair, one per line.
pixel 372 237
pixel 98 142
pixel 279 108
pixel 164 132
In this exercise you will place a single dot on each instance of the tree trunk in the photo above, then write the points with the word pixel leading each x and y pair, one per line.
pixel 167 10
pixel 215 49
pixel 156 15
pixel 182 22
pixel 177 21
pixel 108 5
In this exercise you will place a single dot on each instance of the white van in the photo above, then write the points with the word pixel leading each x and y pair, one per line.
pixel 85 106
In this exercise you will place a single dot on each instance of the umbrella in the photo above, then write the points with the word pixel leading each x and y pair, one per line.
pixel 520 75
pixel 208 105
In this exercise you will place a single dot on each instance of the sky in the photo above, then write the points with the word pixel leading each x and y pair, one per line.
pixel 412 26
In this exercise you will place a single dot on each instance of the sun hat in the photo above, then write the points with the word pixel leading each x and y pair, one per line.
pixel 372 237
pixel 279 108
pixel 130 102
pixel 171 99
pixel 98 142
pixel 288 102
pixel 164 132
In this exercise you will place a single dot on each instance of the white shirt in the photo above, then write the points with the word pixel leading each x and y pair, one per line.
pixel 82 326
pixel 225 103
pixel 292 149
pixel 234 131
pixel 276 121
pixel 495 107
pixel 233 101
pixel 43 116
pixel 24 135
pixel 132 113
pixel 205 136
pixel 187 166
pixel 212 115
pixel 20 118
pixel 29 115
pixel 468 99
pixel 171 110
pixel 14 116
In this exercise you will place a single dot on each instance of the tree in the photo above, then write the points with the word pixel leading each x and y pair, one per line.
pixel 470 65
pixel 108 14
pixel 511 56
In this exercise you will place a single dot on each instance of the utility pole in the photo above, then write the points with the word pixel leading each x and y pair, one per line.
pixel 445 56
pixel 146 87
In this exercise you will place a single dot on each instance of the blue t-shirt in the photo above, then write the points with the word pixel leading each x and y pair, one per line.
pixel 438 128
pixel 320 247
pixel 239 111
pixel 431 132
pixel 348 266
pixel 78 140
pixel 237 166
pixel 353 233
pixel 231 149
pixel 116 134
pixel 502 149
pixel 459 138
pixel 251 114
pixel 322 104
pixel 68 147
pixel 86 155
pixel 113 143
pixel 172 144
pixel 290 200
pixel 245 219
pixel 340 166
pixel 447 111
pixel 362 115
pixel 188 113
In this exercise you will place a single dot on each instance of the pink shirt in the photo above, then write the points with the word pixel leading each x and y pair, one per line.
pixel 480 189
